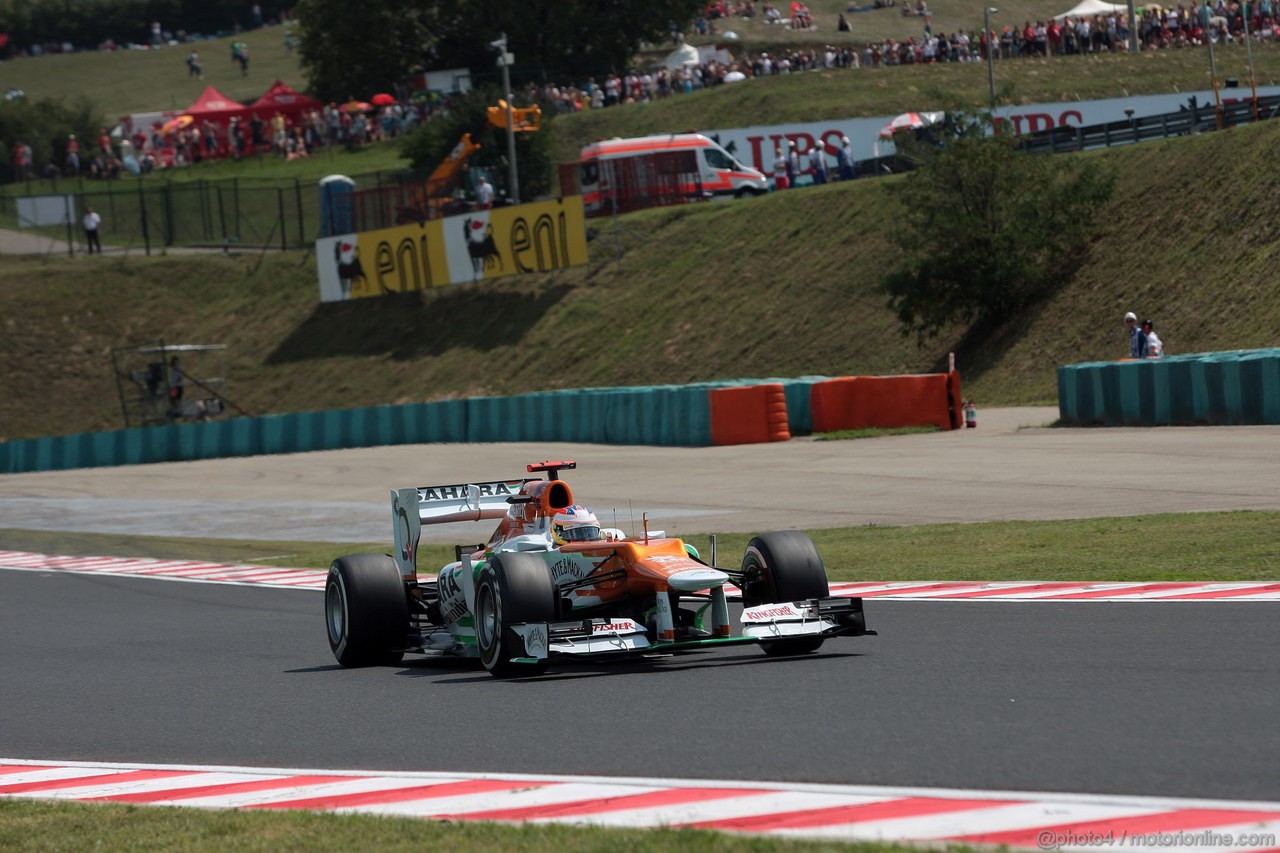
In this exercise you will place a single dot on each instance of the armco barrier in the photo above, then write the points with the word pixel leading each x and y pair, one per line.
pixel 749 414
pixel 862 402
pixel 1238 387
pixel 669 415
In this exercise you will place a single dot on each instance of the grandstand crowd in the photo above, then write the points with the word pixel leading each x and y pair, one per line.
pixel 1184 26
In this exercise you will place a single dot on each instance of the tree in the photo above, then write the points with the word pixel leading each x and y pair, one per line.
pixel 45 125
pixel 427 146
pixel 566 39
pixel 986 229
pixel 353 50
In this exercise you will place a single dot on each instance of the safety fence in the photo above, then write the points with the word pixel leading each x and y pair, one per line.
pixel 150 214
pixel 401 203
pixel 1196 118
pixel 1239 387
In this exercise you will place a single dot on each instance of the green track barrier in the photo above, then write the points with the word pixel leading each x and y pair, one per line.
pixel 1223 388
pixel 665 415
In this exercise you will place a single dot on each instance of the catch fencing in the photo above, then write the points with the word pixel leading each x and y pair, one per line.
pixel 148 214
pixel 1197 118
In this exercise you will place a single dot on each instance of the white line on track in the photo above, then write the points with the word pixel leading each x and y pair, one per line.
pixel 193 571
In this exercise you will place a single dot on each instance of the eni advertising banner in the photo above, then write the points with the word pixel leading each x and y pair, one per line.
pixel 526 238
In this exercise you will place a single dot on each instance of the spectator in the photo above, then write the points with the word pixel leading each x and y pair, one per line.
pixel 844 159
pixel 818 163
pixel 73 155
pixel 1137 340
pixel 1155 347
pixel 23 162
pixel 175 386
pixel 484 194
pixel 92 221
pixel 194 69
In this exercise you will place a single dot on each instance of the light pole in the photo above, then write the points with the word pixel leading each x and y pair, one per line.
pixel 1213 74
pixel 504 62
pixel 1248 47
pixel 991 67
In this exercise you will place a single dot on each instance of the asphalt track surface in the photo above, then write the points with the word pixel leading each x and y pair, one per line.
pixel 995 472
pixel 1168 699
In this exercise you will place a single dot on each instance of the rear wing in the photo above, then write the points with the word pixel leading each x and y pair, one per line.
pixel 463 501
pixel 442 505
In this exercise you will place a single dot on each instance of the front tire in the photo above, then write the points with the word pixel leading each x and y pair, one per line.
pixel 366 610
pixel 511 588
pixel 780 567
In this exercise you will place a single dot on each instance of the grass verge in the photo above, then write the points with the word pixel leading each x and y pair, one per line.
pixel 872 432
pixel 49 827
pixel 1216 546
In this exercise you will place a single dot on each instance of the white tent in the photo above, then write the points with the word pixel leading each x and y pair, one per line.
pixel 1089 8
pixel 685 54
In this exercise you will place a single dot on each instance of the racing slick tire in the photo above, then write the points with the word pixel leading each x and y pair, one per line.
pixel 783 566
pixel 511 588
pixel 366 610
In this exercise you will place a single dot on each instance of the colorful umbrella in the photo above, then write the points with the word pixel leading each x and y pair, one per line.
pixel 382 99
pixel 176 124
pixel 357 107
pixel 908 121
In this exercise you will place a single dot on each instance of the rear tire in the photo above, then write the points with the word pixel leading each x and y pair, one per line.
pixel 366 610
pixel 511 588
pixel 780 567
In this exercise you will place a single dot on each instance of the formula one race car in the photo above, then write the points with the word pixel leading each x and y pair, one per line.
pixel 551 584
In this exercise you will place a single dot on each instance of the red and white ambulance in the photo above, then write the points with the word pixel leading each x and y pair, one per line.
pixel 625 172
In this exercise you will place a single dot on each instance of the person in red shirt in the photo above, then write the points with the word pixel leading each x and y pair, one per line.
pixel 73 155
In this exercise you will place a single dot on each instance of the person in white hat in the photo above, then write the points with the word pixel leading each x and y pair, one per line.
pixel 844 159
pixel 1137 340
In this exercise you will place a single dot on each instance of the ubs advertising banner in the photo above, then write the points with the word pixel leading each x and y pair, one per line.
pixel 755 146
pixel 484 244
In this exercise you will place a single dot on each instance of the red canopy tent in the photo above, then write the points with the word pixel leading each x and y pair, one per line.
pixel 216 107
pixel 284 100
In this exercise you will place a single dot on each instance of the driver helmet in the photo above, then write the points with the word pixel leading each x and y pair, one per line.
pixel 575 524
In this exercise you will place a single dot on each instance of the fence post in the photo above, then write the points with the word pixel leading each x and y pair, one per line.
pixel 235 201
pixel 284 242
pixel 206 222
pixel 142 205
pixel 222 215
pixel 66 205
pixel 168 213
pixel 302 225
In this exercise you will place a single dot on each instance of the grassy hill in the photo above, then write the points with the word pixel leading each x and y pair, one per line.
pixel 128 81
pixel 777 286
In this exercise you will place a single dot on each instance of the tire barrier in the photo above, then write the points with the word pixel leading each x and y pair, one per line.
pixel 955 400
pixel 864 402
pixel 750 414
pixel 1222 388
pixel 665 415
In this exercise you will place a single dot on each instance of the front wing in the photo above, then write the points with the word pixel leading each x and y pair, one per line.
pixel 598 638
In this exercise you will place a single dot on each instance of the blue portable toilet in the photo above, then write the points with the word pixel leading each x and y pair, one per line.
pixel 336 205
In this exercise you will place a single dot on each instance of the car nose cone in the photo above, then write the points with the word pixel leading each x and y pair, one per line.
pixel 692 580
